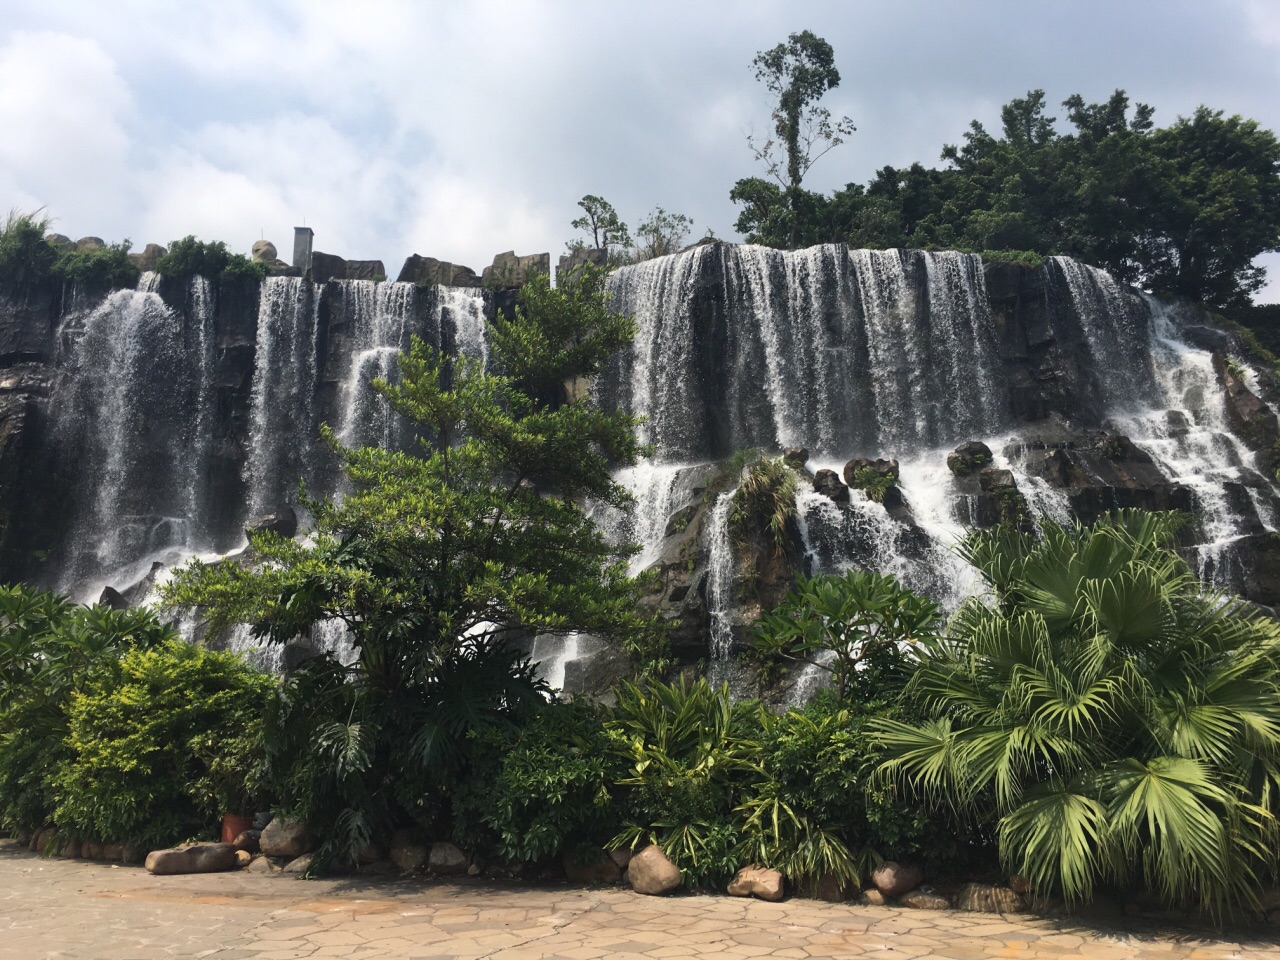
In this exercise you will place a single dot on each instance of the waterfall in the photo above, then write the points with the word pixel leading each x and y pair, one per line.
pixel 130 425
pixel 720 582
pixel 462 315
pixel 382 316
pixel 283 424
pixel 832 350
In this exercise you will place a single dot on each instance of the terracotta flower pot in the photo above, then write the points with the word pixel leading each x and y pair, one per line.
pixel 233 826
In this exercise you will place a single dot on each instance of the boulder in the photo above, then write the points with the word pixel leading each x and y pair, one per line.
pixel 89 243
pixel 893 879
pixel 282 521
pixel 968 457
pixel 761 882
pixel 621 856
pixel 132 853
pixel 248 840
pixel 984 898
pixel 579 257
pixel 243 858
pixel 447 860
pixel 795 456
pixel 71 848
pixel 883 468
pixel 430 271
pixel 832 889
pixel 113 852
pixel 924 900
pixel 285 838
pixel 872 897
pixel 59 240
pixel 113 599
pixel 407 852
pixel 827 483
pixel 371 852
pixel 1020 885
pixel 651 873
pixel 44 839
pixel 509 271
pixel 299 864
pixel 992 480
pixel 261 865
pixel 149 257
pixel 91 850
pixel 600 869
pixel 264 251
pixel 197 858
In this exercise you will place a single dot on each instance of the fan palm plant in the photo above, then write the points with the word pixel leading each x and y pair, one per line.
pixel 1120 722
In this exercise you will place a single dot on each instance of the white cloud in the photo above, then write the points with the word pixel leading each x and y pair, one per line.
pixel 461 129
pixel 63 107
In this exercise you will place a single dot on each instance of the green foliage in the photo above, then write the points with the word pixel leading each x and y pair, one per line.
pixel 873 482
pixel 765 499
pixel 49 650
pixel 601 222
pixel 1111 721
pixel 103 267
pixel 690 754
pixel 435 559
pixel 855 626
pixel 163 742
pixel 1181 210
pixel 1019 258
pixel 25 257
pixel 797 74
pixel 532 792
pixel 660 234
pixel 190 257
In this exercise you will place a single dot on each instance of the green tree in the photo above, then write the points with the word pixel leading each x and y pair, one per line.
pixel 661 233
pixel 845 625
pixel 1111 720
pixel 1221 209
pixel 798 74
pixel 601 222
pixel 436 559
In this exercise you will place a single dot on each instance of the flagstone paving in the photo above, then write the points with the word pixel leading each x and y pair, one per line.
pixel 94 911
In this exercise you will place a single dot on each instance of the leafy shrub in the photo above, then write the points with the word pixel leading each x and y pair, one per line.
pixel 873 482
pixel 108 267
pixel 49 649
pixel 766 499
pixel 690 754
pixel 1019 258
pixel 210 259
pixel 1113 722
pixel 358 752
pixel 845 625
pixel 163 740
pixel 534 791
pixel 25 258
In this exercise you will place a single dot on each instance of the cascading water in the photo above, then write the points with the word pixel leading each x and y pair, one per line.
pixel 720 584
pixel 462 315
pixel 131 419
pixel 283 424
pixel 846 353
pixel 381 315
pixel 896 353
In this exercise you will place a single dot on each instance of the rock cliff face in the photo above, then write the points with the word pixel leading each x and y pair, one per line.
pixel 917 395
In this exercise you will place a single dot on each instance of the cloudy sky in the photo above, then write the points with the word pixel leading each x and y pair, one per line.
pixel 458 130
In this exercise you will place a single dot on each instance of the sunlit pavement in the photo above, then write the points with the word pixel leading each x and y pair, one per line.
pixel 62 908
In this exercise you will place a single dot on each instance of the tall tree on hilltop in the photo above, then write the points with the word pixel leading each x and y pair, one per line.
pixel 798 73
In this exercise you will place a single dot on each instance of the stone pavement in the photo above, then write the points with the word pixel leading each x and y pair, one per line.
pixel 94 911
